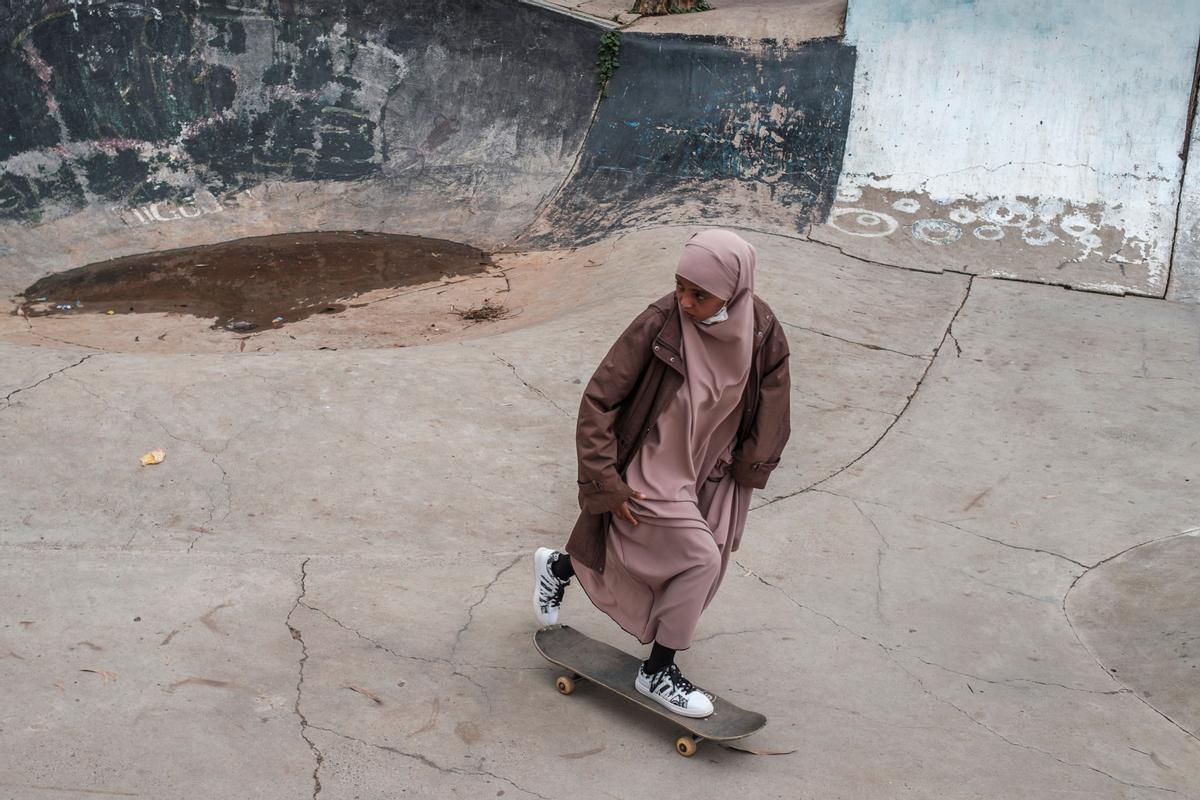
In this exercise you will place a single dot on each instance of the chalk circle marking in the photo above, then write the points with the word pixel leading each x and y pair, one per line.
pixel 936 231
pixel 907 205
pixel 989 233
pixel 862 222
pixel 963 216
pixel 1014 213
pixel 1038 236
pixel 1077 225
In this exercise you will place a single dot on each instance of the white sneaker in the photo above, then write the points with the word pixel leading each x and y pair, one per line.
pixel 674 691
pixel 547 588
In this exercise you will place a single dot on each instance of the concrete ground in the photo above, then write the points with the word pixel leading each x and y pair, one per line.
pixel 974 576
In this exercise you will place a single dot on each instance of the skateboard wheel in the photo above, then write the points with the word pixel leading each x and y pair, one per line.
pixel 685 746
pixel 564 684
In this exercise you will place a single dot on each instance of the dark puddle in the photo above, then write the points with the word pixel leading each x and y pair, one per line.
pixel 260 282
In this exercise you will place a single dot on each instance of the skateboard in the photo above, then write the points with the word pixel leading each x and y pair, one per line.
pixel 615 670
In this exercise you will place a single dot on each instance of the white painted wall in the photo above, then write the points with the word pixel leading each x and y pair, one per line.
pixel 1056 123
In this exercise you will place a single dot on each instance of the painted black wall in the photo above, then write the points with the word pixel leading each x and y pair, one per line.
pixel 689 118
pixel 131 103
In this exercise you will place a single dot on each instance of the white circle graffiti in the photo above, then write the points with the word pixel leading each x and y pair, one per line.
pixel 963 216
pixel 862 222
pixel 936 231
pixel 1090 241
pixel 989 233
pixel 1007 212
pixel 1077 225
pixel 1038 236
pixel 907 205
pixel 848 194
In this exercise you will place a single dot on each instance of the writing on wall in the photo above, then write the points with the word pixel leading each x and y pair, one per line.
pixel 191 207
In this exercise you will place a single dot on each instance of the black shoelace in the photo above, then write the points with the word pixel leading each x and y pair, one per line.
pixel 674 678
pixel 551 590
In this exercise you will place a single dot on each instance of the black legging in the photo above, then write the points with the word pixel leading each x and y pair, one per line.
pixel 660 657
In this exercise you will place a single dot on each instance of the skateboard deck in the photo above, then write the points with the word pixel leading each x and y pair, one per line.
pixel 615 670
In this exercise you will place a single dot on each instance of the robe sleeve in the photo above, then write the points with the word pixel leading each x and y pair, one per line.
pixel 601 488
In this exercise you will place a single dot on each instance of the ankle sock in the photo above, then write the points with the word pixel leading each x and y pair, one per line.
pixel 660 658
pixel 560 567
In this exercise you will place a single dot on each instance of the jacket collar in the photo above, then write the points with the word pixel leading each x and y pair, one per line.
pixel 668 345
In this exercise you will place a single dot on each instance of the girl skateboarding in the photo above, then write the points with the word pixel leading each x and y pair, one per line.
pixel 685 416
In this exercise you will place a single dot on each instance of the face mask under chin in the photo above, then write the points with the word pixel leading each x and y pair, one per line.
pixel 720 316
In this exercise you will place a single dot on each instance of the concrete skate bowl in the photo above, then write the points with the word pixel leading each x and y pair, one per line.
pixel 142 129
pixel 1136 613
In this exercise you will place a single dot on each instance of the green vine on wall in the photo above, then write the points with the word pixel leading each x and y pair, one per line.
pixel 606 62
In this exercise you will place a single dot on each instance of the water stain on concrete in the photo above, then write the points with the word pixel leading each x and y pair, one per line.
pixel 255 283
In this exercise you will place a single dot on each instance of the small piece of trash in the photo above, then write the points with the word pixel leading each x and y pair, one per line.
pixel 79 304
pixel 153 457
pixel 277 320
pixel 110 312
pixel 1050 496
pixel 241 325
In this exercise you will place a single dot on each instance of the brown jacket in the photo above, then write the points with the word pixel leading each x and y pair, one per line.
pixel 632 386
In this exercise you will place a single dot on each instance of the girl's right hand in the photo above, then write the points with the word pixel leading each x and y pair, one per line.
pixel 624 512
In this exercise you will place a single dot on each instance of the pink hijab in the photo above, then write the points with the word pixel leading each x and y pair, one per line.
pixel 718 355
pixel 697 427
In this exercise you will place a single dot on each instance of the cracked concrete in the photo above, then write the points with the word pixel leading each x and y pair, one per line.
pixel 965 452
pixel 298 635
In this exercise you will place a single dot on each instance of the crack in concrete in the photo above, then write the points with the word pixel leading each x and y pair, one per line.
pixel 8 398
pixel 478 772
pixel 869 261
pixel 1125 291
pixel 1096 658
pixel 298 636
pixel 852 341
pixel 1050 601
pixel 891 655
pixel 907 404
pixel 167 431
pixel 214 456
pixel 878 561
pixel 422 659
pixel 531 387
pixel 471 611
pixel 719 634
pixel 1010 681
pixel 787 595
pixel 48 338
pixel 1001 542
pixel 225 479
pixel 926 518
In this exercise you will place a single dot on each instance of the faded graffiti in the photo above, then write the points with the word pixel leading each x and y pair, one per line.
pixel 1035 222
pixel 198 205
